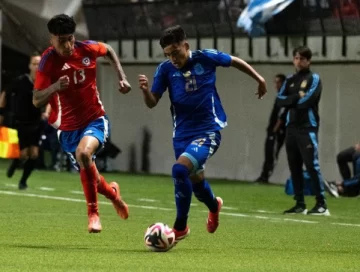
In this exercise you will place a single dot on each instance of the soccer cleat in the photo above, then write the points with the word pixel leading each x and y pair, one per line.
pixel 181 234
pixel 297 209
pixel 319 209
pixel 262 179
pixel 331 188
pixel 94 223
pixel 213 218
pixel 120 206
pixel 22 186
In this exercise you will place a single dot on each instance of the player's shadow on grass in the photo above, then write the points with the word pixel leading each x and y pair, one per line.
pixel 48 247
pixel 76 248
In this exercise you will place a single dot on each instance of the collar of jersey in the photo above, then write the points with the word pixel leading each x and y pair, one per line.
pixel 186 66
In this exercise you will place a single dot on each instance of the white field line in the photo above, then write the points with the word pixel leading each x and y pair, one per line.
pixel 271 219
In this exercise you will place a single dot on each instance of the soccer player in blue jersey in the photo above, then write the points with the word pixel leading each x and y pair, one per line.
pixel 198 117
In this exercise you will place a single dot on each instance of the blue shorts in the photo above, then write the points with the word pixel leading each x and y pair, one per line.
pixel 198 149
pixel 69 140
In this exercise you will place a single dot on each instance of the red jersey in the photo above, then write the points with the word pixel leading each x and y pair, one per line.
pixel 75 107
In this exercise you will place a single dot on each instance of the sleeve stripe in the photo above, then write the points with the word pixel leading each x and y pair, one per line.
pixel 282 89
pixel 90 42
pixel 44 59
pixel 313 87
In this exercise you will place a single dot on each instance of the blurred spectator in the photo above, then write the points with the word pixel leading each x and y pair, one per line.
pixel 231 8
pixel 346 8
pixel 347 187
pixel 350 185
pixel 349 155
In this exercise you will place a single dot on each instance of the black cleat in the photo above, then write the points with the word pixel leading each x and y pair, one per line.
pixel 319 209
pixel 262 179
pixel 297 209
pixel 22 186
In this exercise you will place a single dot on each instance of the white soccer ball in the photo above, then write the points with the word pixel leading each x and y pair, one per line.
pixel 159 237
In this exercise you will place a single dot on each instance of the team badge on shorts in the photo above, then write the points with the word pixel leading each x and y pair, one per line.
pixel 86 61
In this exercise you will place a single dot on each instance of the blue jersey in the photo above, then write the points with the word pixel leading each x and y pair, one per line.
pixel 195 104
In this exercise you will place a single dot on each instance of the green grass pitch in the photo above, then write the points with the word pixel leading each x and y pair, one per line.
pixel 45 229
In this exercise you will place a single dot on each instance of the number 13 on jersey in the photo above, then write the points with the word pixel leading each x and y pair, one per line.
pixel 79 76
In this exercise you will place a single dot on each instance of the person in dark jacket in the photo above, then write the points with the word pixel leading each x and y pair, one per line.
pixel 275 136
pixel 17 111
pixel 300 94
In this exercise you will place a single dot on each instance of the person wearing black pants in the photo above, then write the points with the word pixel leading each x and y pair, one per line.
pixel 275 136
pixel 17 111
pixel 350 184
pixel 301 94
pixel 351 154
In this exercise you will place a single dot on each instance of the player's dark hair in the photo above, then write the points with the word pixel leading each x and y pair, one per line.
pixel 34 54
pixel 282 77
pixel 171 35
pixel 61 24
pixel 303 51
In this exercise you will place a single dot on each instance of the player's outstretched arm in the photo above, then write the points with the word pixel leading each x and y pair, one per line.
pixel 249 70
pixel 41 97
pixel 124 85
pixel 151 99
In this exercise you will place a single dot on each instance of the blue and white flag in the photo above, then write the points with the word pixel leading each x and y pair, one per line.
pixel 258 12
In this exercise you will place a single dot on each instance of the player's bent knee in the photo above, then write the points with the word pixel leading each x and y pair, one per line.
pixel 24 154
pixel 185 161
pixel 197 177
pixel 83 156
pixel 180 171
pixel 34 156
pixel 24 157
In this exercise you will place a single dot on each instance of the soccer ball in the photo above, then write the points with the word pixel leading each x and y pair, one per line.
pixel 159 237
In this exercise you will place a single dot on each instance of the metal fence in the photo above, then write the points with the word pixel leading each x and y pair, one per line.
pixel 114 19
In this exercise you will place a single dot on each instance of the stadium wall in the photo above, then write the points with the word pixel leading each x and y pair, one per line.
pixel 242 150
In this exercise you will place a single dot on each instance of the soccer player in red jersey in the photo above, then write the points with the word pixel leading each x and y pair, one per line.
pixel 66 78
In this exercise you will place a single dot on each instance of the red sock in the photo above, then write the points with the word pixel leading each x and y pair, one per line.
pixel 89 178
pixel 105 189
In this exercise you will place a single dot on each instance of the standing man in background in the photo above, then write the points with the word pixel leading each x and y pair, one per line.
pixel 17 111
pixel 275 135
pixel 301 95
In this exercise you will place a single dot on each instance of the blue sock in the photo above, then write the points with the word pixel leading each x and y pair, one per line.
pixel 203 193
pixel 183 192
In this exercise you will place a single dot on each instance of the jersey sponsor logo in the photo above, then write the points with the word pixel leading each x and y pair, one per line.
pixel 86 61
pixel 65 67
pixel 199 70
pixel 88 132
